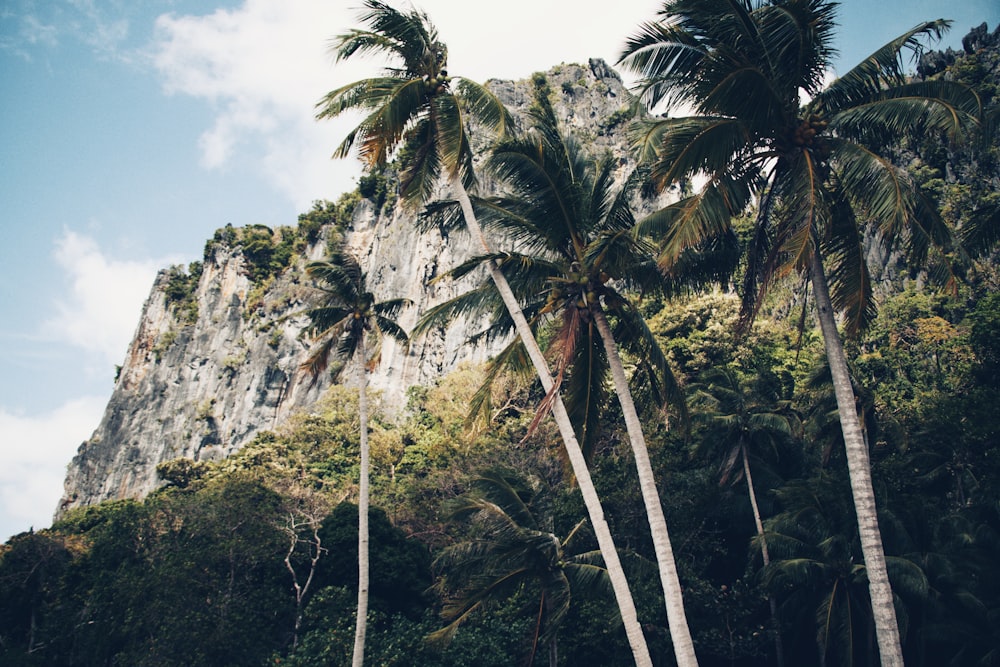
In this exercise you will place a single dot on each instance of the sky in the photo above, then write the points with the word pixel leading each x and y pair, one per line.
pixel 131 131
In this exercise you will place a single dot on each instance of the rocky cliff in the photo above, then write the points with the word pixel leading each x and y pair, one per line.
pixel 200 381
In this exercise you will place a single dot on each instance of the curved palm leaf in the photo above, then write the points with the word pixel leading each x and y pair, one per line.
pixel 411 104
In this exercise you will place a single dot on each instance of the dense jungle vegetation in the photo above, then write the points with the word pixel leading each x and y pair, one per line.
pixel 478 527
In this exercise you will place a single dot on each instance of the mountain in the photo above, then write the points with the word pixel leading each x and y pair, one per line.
pixel 217 353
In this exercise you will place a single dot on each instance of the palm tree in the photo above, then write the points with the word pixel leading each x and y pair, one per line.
pixel 348 316
pixel 740 425
pixel 414 106
pixel 575 255
pixel 816 172
pixel 513 551
pixel 816 572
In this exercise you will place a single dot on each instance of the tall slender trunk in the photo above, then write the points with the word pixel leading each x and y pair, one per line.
pixel 595 512
pixel 778 645
pixel 361 623
pixel 680 634
pixel 859 468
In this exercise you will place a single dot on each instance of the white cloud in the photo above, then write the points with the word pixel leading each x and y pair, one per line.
pixel 34 451
pixel 103 301
pixel 264 65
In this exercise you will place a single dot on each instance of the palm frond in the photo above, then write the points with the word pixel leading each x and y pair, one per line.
pixel 450 133
pixel 511 359
pixel 422 171
pixel 486 108
pixel 982 230
pixel 926 107
pixel 482 299
pixel 445 215
pixel 585 391
pixel 694 219
pixel 318 360
pixel 324 319
pixel 884 68
pixel 681 148
pixel 408 36
pixel 510 493
pixel 395 105
pixel 389 328
pixel 847 270
pixel 653 370
pixel 390 307
pixel 802 190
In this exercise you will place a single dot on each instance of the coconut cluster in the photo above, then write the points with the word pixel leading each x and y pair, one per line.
pixel 577 289
pixel 436 85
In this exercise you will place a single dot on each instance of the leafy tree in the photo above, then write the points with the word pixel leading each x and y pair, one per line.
pixel 413 106
pixel 347 317
pixel 512 552
pixel 32 566
pixel 401 565
pixel 816 171
pixel 188 577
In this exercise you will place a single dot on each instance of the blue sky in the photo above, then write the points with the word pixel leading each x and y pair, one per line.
pixel 130 131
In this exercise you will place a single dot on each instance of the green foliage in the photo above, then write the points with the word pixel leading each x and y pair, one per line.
pixel 917 347
pixel 700 332
pixel 373 186
pixel 180 291
pixel 323 213
pixel 400 567
pixel 180 472
pixel 32 566
pixel 266 252
pixel 396 639
pixel 117 574
pixel 984 338
pixel 189 577
pixel 163 343
pixel 509 553
pixel 543 92
pixel 619 118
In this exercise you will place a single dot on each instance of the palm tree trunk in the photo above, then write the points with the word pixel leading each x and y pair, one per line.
pixel 859 468
pixel 595 512
pixel 778 645
pixel 361 623
pixel 680 634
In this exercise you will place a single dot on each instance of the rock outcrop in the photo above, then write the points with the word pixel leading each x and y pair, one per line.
pixel 202 386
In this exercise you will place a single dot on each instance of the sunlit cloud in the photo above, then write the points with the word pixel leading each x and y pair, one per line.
pixel 103 298
pixel 263 67
pixel 34 451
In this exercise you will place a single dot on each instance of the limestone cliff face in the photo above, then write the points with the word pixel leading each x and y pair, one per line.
pixel 201 387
